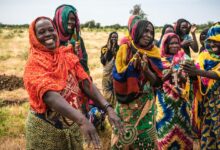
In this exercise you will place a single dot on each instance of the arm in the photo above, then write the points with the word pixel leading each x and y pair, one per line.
pixel 92 92
pixel 193 71
pixel 154 80
pixel 208 74
pixel 194 44
pixel 84 60
pixel 55 101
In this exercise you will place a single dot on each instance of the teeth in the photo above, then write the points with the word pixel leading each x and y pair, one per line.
pixel 69 27
pixel 50 41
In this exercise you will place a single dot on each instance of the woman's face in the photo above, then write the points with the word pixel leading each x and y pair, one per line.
pixel 202 38
pixel 71 23
pixel 173 46
pixel 114 38
pixel 169 30
pixel 147 36
pixel 184 27
pixel 45 33
pixel 215 46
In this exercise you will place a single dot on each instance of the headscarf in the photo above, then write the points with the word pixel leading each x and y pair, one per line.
pixel 177 27
pixel 46 70
pixel 165 41
pixel 214 35
pixel 61 19
pixel 131 22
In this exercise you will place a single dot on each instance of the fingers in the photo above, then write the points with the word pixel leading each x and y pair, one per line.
pixel 95 140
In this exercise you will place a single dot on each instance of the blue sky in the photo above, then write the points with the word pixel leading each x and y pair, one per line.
pixel 108 12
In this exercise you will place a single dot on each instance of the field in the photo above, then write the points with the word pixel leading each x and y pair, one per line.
pixel 14 105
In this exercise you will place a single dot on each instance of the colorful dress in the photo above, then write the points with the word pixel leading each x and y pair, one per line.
pixel 210 90
pixel 173 104
pixel 207 118
pixel 133 92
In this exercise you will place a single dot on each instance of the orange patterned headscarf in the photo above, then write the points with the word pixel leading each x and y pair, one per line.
pixel 46 70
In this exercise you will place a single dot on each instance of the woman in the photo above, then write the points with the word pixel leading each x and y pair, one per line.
pixel 202 39
pixel 55 81
pixel 131 22
pixel 108 54
pixel 137 72
pixel 173 101
pixel 182 29
pixel 207 71
pixel 68 27
pixel 167 28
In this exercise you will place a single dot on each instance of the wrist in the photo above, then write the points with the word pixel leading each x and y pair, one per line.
pixel 108 107
pixel 80 121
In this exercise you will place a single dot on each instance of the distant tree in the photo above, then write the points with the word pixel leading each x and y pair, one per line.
pixel 138 11
pixel 97 25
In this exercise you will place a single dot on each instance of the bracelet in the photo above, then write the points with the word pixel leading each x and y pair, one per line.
pixel 106 106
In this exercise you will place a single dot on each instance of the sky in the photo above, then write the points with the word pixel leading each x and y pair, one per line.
pixel 109 12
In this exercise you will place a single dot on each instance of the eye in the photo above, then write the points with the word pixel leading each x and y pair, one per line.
pixel 51 29
pixel 42 31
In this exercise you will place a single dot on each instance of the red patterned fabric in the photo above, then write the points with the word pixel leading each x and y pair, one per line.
pixel 48 70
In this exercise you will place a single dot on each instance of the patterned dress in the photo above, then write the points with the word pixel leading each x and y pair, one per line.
pixel 128 83
pixel 209 114
pixel 174 104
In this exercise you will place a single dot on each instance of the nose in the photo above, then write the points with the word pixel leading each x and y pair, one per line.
pixel 149 35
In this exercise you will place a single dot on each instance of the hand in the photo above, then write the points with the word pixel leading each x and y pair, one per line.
pixel 136 61
pixel 193 29
pixel 89 132
pixel 144 63
pixel 186 43
pixel 115 120
pixel 190 68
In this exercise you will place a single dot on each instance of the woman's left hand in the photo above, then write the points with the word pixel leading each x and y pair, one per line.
pixel 114 120
pixel 144 63
pixel 193 29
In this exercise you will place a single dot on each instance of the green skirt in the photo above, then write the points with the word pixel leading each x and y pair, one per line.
pixel 42 135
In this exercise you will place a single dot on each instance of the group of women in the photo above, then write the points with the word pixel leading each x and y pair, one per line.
pixel 154 94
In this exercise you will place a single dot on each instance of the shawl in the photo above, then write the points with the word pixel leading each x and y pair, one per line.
pixel 46 70
pixel 126 77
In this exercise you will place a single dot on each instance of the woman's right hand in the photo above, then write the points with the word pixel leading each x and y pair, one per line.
pixel 89 132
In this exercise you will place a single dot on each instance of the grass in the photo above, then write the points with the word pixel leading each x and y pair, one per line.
pixel 14 48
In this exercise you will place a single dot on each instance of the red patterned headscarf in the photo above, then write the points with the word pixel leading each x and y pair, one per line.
pixel 46 70
pixel 165 41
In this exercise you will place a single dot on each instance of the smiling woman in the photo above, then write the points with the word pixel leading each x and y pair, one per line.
pixel 46 33
pixel 55 81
